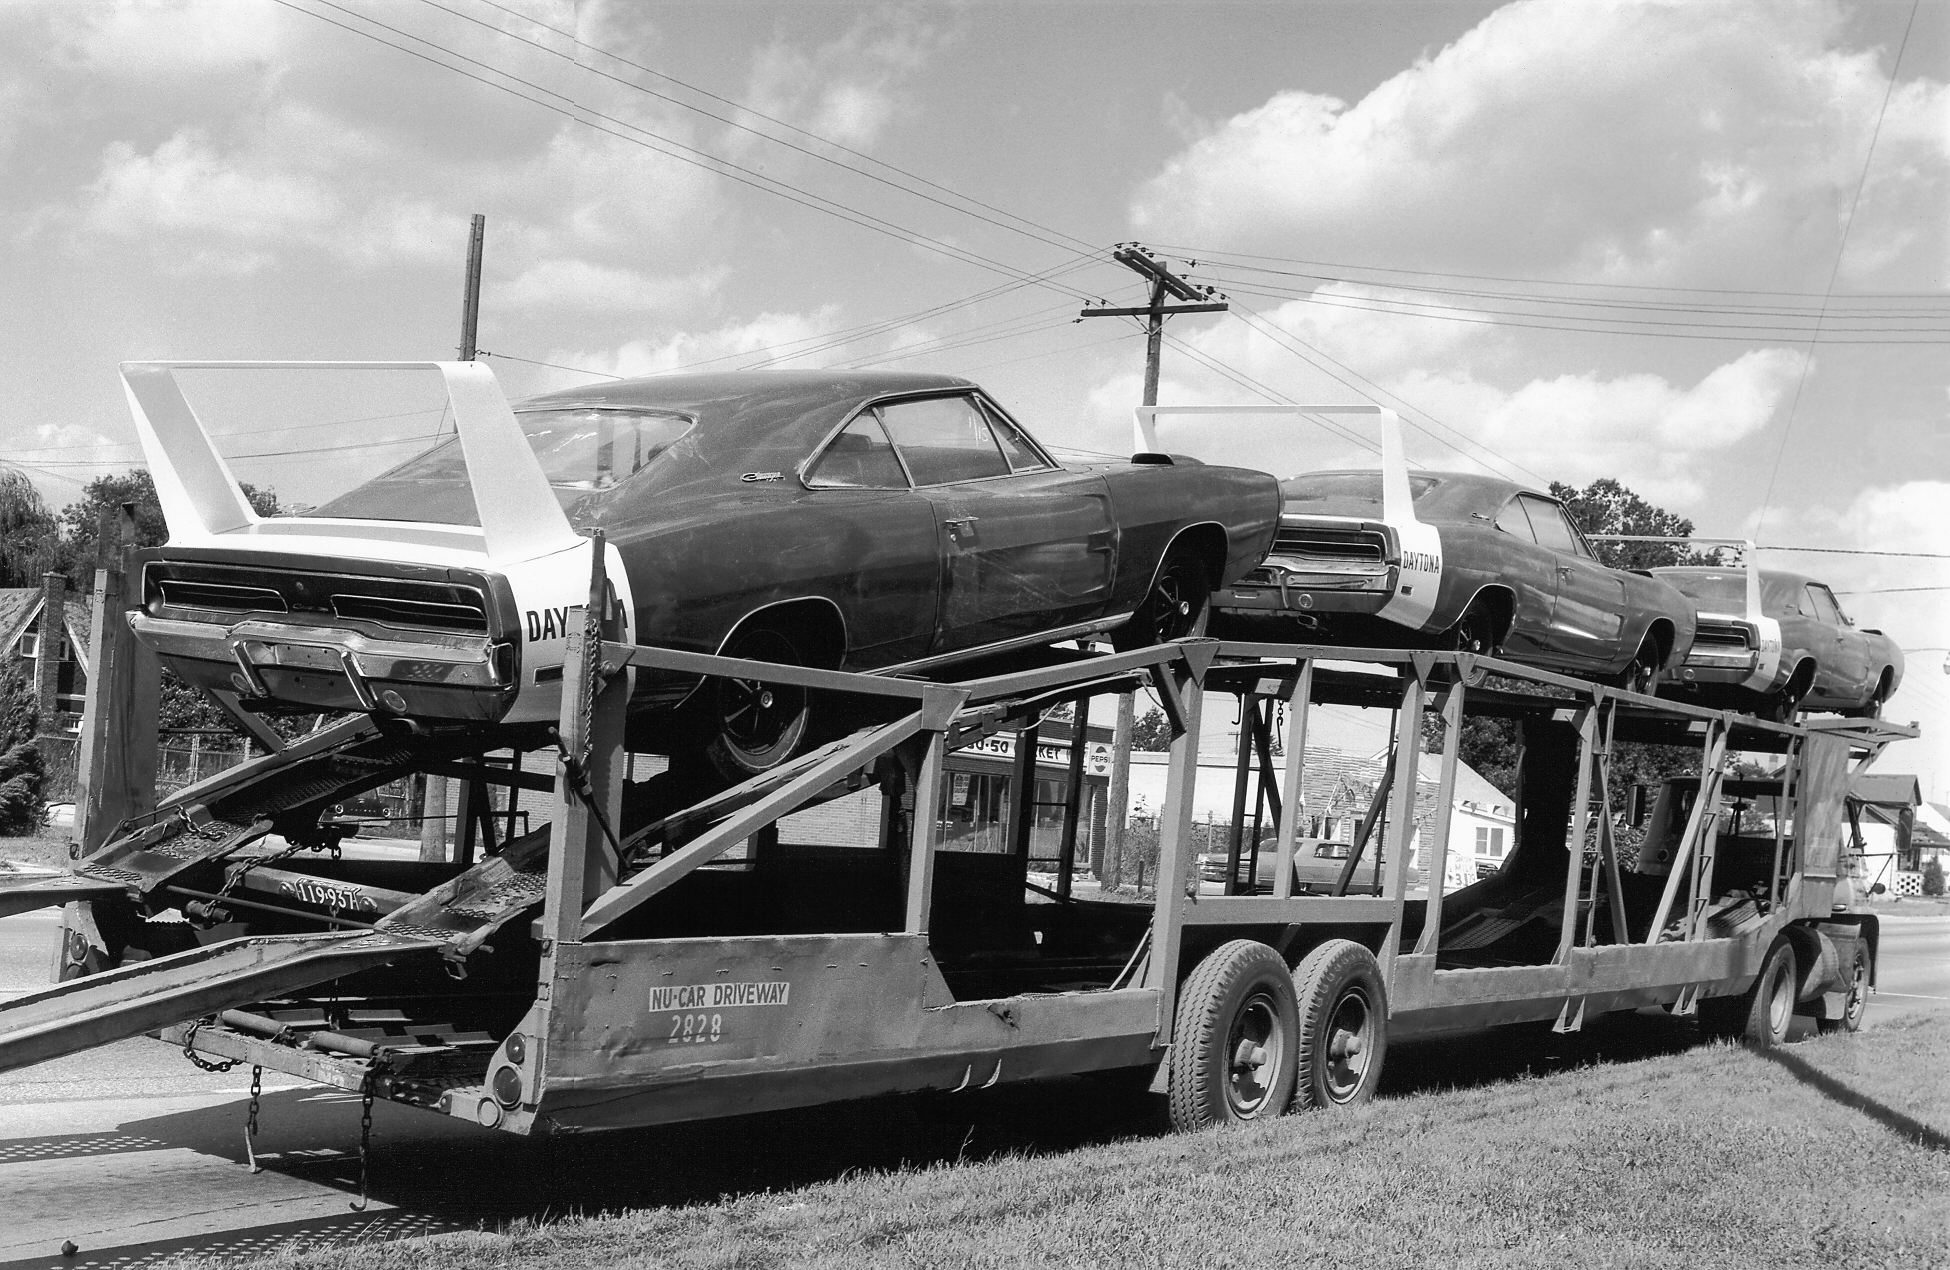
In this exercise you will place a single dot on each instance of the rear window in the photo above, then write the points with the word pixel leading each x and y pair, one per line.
pixel 583 451
pixel 1714 592
pixel 1348 487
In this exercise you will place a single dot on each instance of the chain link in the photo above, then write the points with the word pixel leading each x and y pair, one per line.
pixel 250 1121
pixel 202 1063
pixel 365 1142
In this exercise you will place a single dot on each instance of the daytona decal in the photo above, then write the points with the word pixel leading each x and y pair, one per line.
pixel 548 624
pixel 719 996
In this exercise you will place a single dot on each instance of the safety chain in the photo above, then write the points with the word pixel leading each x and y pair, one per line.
pixel 250 1121
pixel 365 1142
pixel 236 879
pixel 202 1063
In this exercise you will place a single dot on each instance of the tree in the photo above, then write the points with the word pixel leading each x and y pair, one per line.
pixel 29 537
pixel 108 493
pixel 22 772
pixel 1607 507
pixel 1151 732
pixel 1933 877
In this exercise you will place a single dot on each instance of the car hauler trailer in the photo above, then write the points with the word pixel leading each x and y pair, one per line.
pixel 646 959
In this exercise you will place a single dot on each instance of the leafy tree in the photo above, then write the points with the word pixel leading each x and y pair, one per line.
pixel 1933 877
pixel 22 772
pixel 1151 731
pixel 29 537
pixel 1607 507
pixel 107 493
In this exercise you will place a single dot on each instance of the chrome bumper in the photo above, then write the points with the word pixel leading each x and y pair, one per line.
pixel 255 648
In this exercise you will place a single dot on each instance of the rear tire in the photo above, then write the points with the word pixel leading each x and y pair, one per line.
pixel 1343 1026
pixel 1645 671
pixel 1177 607
pixel 751 726
pixel 1233 1040
pixel 1872 708
pixel 1474 632
pixel 1761 1015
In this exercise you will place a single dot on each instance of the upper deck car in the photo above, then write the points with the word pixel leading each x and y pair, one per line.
pixel 1463 562
pixel 877 521
pixel 1814 659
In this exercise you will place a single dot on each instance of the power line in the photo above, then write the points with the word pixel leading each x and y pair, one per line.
pixel 1894 590
pixel 689 155
pixel 1851 551
pixel 1841 249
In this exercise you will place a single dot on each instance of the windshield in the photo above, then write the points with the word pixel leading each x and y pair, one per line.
pixel 1348 487
pixel 1715 592
pixel 582 451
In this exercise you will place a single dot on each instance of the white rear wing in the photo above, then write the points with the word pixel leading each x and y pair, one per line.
pixel 1420 545
pixel 520 518
pixel 1747 557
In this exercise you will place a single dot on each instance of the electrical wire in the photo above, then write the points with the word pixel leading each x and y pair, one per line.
pixel 1852 551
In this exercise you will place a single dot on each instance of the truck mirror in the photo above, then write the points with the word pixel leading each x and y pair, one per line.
pixel 1635 807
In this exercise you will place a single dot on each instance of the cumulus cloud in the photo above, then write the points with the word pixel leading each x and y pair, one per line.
pixel 777 333
pixel 1557 136
pixel 848 89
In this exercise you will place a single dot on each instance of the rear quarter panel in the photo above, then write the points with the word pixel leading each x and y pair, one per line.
pixel 1477 555
pixel 1153 502
pixel 1650 600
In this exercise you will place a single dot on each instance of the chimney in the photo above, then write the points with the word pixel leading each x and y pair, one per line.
pixel 47 666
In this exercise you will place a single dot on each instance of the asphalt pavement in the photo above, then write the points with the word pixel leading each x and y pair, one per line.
pixel 135 1156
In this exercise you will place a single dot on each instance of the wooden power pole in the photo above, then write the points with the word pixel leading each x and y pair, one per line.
pixel 433 802
pixel 1195 300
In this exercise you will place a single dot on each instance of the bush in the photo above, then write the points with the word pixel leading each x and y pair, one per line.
pixel 1933 876
pixel 22 772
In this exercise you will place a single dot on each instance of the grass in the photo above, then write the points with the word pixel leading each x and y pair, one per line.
pixel 1831 1153
pixel 46 848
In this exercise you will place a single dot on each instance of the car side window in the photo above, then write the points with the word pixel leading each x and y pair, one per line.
pixel 1511 520
pixel 1016 447
pixel 944 440
pixel 860 457
pixel 1825 606
pixel 1804 604
pixel 1547 519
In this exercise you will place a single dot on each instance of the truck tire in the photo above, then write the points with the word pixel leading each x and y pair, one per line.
pixel 1232 1041
pixel 1343 1026
pixel 1761 1015
pixel 1858 996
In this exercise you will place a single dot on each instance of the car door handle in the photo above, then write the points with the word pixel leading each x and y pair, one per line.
pixel 1564 569
pixel 960 520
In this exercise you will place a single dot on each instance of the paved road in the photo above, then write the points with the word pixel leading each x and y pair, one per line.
pixel 134 1155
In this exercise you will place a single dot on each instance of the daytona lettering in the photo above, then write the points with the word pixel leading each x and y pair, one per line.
pixel 1421 562
pixel 719 996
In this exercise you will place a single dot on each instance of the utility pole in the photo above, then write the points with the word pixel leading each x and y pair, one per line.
pixel 1195 300
pixel 1163 283
pixel 433 798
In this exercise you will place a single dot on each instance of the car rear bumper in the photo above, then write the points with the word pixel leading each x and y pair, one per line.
pixel 1273 589
pixel 461 677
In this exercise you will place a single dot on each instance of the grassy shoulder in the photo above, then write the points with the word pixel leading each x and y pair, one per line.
pixel 1834 1152
pixel 46 849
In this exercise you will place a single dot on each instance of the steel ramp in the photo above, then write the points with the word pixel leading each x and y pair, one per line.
pixel 138 998
pixel 24 895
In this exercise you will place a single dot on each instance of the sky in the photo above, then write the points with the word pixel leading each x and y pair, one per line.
pixel 1701 248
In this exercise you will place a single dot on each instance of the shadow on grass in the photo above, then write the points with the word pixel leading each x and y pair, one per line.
pixel 1509 1053
pixel 1882 1113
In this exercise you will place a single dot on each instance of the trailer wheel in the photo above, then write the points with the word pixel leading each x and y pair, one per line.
pixel 1343 1025
pixel 1232 1042
pixel 1858 996
pixel 1760 1016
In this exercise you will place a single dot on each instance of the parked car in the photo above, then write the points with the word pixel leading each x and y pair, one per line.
pixel 1317 866
pixel 1823 662
pixel 1468 563
pixel 870 521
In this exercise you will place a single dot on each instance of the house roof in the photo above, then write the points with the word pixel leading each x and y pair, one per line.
pixel 19 606
pixel 1887 789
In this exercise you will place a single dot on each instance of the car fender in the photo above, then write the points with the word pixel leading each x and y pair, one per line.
pixel 1418 546
pixel 1768 665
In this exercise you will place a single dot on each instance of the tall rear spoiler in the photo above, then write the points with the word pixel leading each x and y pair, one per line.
pixel 1747 557
pixel 1397 508
pixel 520 518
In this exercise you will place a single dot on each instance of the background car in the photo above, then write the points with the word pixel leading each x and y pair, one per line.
pixel 874 521
pixel 1473 563
pixel 1825 662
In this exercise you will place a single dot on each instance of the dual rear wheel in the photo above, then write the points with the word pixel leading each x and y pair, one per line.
pixel 1252 1038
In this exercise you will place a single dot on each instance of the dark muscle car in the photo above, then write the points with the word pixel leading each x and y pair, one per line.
pixel 1813 657
pixel 873 521
pixel 1470 563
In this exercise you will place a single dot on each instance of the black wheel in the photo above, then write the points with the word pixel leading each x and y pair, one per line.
pixel 1232 1041
pixel 1759 1016
pixel 1645 671
pixel 1872 708
pixel 1343 1026
pixel 1785 706
pixel 1858 996
pixel 1177 606
pixel 751 726
pixel 1474 632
